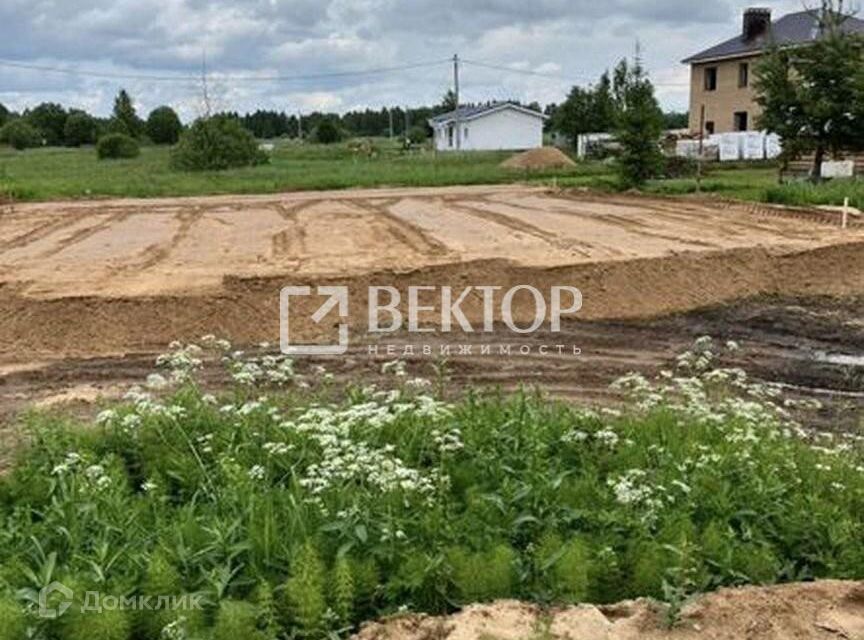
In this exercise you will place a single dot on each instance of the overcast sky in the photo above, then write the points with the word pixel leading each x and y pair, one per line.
pixel 574 39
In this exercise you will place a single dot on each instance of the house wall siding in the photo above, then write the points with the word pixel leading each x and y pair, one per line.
pixel 722 104
pixel 507 129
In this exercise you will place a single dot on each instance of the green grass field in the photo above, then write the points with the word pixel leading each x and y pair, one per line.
pixel 57 173
pixel 60 173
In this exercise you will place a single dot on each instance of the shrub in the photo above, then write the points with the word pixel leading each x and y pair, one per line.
pixel 564 567
pixel 216 143
pixel 327 132
pixel 80 129
pixel 238 621
pixel 19 135
pixel 304 592
pixel 485 575
pixel 343 591
pixel 117 145
pixel 163 126
pixel 677 167
pixel 418 134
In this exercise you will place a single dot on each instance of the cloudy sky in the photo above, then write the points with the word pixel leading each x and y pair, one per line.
pixel 248 41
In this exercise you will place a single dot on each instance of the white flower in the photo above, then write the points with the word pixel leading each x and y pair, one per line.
pixel 156 381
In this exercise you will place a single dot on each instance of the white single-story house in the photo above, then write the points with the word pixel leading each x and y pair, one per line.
pixel 492 127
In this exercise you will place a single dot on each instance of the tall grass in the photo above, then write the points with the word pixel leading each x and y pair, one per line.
pixel 288 513
pixel 832 192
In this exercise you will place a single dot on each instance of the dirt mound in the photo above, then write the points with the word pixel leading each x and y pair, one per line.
pixel 542 158
pixel 129 276
pixel 829 609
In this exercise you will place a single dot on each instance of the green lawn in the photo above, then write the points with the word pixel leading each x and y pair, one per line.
pixel 43 174
pixel 59 173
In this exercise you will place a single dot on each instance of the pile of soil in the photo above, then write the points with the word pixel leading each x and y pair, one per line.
pixel 542 158
pixel 821 610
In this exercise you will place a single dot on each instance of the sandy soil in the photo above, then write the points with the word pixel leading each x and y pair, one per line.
pixel 107 278
pixel 823 610
pixel 155 247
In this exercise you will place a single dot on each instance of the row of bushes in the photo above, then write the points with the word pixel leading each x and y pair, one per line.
pixel 209 144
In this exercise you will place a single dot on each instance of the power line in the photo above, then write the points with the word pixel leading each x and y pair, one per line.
pixel 526 72
pixel 551 76
pixel 222 78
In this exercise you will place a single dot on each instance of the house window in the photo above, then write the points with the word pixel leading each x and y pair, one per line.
pixel 740 121
pixel 711 79
pixel 465 136
pixel 450 136
pixel 743 75
pixel 709 127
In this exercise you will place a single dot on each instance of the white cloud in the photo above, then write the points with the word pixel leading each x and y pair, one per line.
pixel 574 39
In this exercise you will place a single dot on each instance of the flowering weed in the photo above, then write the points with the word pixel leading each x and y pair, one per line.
pixel 293 516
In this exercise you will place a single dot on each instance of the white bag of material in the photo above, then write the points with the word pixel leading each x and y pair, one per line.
pixel 773 148
pixel 754 145
pixel 730 147
pixel 687 148
pixel 838 169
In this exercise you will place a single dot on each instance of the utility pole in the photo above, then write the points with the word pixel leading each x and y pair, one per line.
pixel 701 149
pixel 456 91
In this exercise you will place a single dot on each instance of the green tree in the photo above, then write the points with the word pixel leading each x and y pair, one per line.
pixel 163 126
pixel 80 129
pixel 812 96
pixel 418 134
pixel 676 120
pixel 591 110
pixel 4 114
pixel 574 116
pixel 218 142
pixel 327 132
pixel 448 101
pixel 640 126
pixel 20 135
pixel 125 118
pixel 49 119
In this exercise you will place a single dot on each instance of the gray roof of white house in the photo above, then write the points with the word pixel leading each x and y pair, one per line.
pixel 790 30
pixel 471 112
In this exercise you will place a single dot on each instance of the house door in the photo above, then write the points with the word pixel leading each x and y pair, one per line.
pixel 450 134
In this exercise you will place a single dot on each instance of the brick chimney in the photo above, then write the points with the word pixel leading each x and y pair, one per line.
pixel 756 22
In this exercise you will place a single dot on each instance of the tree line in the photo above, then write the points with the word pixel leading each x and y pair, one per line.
pixel 585 110
pixel 51 124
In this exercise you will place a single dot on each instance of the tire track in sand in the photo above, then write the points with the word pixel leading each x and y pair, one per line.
pixel 408 234
pixel 83 234
pixel 520 226
pixel 33 235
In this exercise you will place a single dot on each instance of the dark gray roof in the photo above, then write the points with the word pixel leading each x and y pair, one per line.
pixel 795 28
pixel 470 112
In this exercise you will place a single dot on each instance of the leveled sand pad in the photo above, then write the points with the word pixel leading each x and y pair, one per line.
pixel 125 275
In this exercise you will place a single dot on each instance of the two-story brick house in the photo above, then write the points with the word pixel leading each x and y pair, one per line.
pixel 721 77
